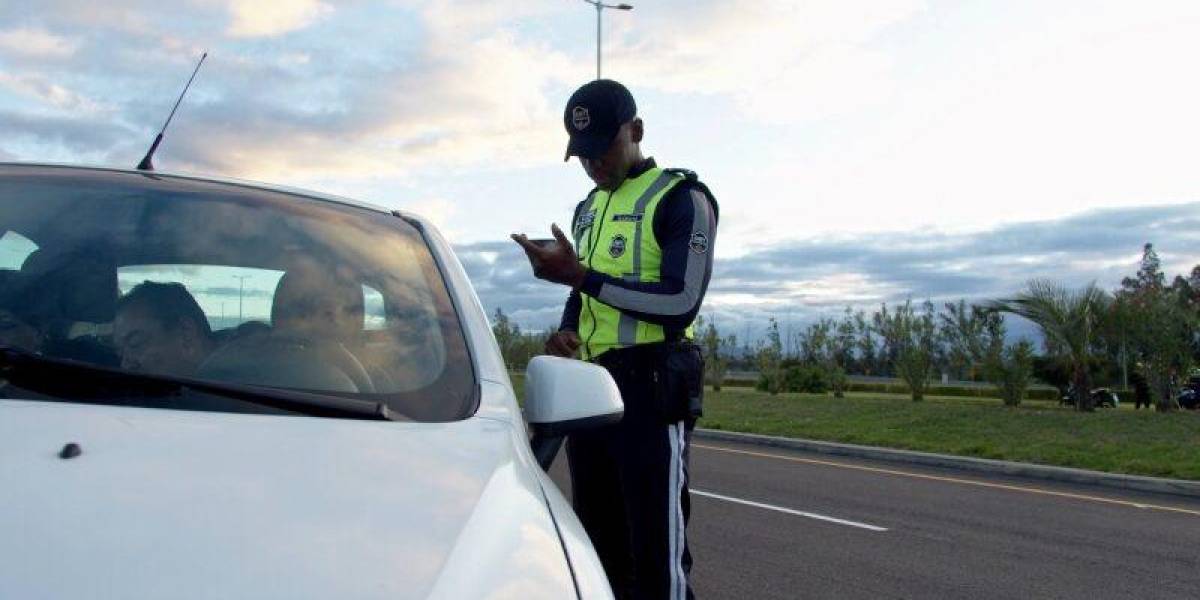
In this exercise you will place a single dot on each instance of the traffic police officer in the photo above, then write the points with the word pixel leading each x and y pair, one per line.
pixel 638 268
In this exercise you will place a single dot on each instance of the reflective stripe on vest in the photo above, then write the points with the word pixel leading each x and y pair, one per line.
pixel 614 235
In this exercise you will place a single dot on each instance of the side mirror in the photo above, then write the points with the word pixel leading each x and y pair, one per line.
pixel 564 395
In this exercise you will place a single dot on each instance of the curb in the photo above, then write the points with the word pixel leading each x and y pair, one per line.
pixel 1159 485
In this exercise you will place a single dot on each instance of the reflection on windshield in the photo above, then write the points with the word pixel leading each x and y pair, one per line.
pixel 228 295
pixel 227 283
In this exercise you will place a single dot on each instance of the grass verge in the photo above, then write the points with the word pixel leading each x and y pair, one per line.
pixel 1117 441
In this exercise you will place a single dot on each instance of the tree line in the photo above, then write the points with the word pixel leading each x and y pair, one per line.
pixel 1146 333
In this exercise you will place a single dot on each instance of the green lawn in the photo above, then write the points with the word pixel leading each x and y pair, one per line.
pixel 1120 441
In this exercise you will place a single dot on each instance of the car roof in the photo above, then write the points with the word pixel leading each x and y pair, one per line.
pixel 231 181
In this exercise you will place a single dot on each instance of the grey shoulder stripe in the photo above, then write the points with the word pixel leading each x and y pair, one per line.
pixel 693 278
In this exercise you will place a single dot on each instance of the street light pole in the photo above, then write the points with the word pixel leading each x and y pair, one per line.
pixel 600 6
pixel 599 37
pixel 241 286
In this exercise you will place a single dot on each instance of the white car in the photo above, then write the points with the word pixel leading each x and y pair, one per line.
pixel 216 389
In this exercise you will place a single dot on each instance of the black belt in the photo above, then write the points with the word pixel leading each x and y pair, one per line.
pixel 640 355
pixel 629 357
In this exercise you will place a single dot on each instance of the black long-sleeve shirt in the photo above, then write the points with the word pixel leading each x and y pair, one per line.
pixel 685 226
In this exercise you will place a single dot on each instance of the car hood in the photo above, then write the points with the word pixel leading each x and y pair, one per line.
pixel 164 503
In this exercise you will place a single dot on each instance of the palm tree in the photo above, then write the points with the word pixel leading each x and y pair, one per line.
pixel 1069 320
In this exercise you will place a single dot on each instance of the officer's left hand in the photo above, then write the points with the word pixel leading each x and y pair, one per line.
pixel 556 263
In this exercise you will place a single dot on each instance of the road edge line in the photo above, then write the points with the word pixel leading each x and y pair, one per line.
pixel 1141 483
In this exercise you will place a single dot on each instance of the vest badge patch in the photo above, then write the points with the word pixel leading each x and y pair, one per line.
pixel 699 242
pixel 629 218
pixel 617 247
pixel 585 221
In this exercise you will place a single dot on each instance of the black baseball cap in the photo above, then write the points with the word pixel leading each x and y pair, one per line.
pixel 594 115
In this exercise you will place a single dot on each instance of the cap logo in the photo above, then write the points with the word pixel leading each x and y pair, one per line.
pixel 580 118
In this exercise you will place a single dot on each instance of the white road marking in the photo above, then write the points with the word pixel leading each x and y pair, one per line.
pixel 987 484
pixel 798 513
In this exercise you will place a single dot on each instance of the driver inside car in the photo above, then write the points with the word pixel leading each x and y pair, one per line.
pixel 313 302
pixel 318 304
pixel 160 329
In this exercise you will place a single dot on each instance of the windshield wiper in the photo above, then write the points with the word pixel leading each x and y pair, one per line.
pixel 93 383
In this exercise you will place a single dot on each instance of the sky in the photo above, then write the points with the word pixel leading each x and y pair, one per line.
pixel 862 152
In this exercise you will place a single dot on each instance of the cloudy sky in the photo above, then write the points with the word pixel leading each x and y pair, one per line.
pixel 862 151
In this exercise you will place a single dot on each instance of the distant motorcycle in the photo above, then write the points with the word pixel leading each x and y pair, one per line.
pixel 1101 398
pixel 1189 396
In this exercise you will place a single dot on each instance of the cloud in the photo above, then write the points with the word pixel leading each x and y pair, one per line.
pixel 445 84
pixel 78 136
pixel 443 213
pixel 782 61
pixel 805 118
pixel 47 92
pixel 502 278
pixel 806 279
pixel 1099 245
pixel 253 18
pixel 37 43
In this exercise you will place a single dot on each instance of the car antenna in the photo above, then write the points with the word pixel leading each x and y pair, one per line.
pixel 146 165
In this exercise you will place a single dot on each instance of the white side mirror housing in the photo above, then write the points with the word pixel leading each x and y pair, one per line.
pixel 564 395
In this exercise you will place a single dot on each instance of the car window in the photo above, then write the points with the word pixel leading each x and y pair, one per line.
pixel 374 315
pixel 228 296
pixel 14 249
pixel 231 296
pixel 230 283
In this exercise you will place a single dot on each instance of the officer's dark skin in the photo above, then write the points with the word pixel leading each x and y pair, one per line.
pixel 558 263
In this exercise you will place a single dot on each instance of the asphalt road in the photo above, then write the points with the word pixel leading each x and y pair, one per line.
pixel 852 528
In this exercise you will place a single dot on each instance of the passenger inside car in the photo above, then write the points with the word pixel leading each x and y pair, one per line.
pixel 59 306
pixel 18 333
pixel 317 302
pixel 160 328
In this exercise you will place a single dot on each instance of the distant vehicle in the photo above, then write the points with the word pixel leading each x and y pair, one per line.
pixel 1189 394
pixel 1101 398
pixel 306 401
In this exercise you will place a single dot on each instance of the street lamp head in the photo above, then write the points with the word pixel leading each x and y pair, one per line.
pixel 600 5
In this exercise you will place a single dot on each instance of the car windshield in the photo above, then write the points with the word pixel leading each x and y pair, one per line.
pixel 229 283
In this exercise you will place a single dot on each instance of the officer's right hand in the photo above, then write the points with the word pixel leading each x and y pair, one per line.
pixel 563 343
pixel 556 263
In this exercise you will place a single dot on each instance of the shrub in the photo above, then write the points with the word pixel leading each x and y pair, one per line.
pixel 838 381
pixel 769 357
pixel 913 336
pixel 1011 370
pixel 717 352
pixel 981 391
pixel 807 379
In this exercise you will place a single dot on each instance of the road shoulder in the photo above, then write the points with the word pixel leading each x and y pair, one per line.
pixel 1139 483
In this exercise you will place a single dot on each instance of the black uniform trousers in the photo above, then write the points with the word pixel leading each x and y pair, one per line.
pixel 629 487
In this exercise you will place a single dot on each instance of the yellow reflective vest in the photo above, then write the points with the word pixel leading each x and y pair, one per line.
pixel 614 235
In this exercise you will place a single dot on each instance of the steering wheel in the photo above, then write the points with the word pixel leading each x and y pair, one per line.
pixel 280 360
